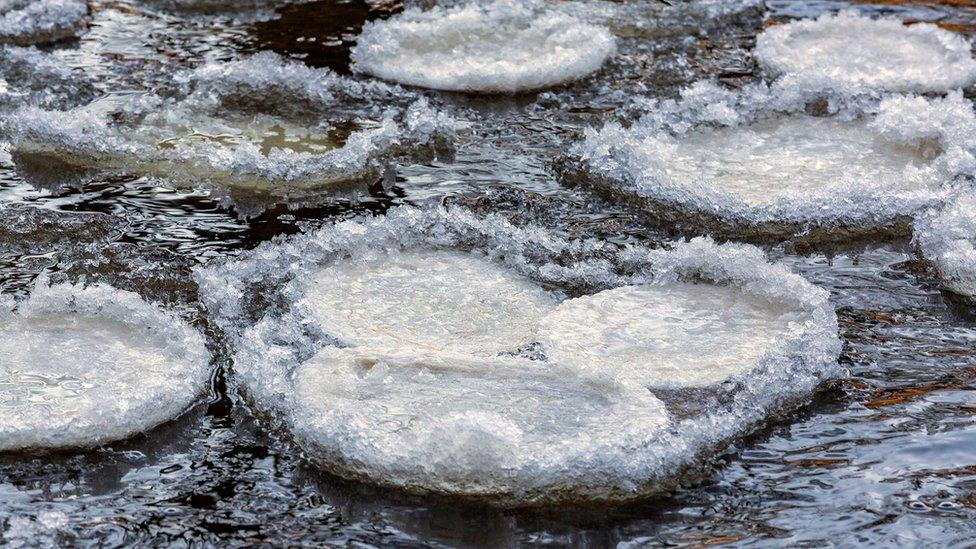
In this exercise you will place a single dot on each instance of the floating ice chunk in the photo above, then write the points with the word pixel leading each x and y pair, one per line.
pixel 849 49
pixel 481 427
pixel 947 238
pixel 778 172
pixel 41 21
pixel 520 427
pixel 672 335
pixel 503 46
pixel 28 75
pixel 82 367
pixel 431 301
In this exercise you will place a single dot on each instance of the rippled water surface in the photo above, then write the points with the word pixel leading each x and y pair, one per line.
pixel 887 456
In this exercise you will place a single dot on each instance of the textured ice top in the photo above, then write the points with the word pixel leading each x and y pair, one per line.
pixel 41 21
pixel 185 142
pixel 755 161
pixel 80 367
pixel 29 75
pixel 879 53
pixel 552 405
pixel 501 46
pixel 947 238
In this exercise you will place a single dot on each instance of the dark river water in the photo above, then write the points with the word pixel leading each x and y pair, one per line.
pixel 885 457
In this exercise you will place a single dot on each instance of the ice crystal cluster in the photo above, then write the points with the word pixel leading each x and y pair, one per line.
pixel 203 137
pixel 755 162
pixel 25 22
pixel 500 46
pixel 31 76
pixel 440 351
pixel 80 367
pixel 947 238
pixel 850 49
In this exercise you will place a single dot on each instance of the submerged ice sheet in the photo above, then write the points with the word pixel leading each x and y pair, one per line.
pixel 41 21
pixel 475 406
pixel 84 366
pixel 502 46
pixel 770 169
pixel 849 49
pixel 428 301
pixel 947 238
pixel 671 335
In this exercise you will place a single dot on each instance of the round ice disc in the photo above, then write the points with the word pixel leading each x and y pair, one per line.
pixel 82 367
pixel 498 47
pixel 791 157
pixel 672 335
pixel 429 300
pixel 507 428
pixel 848 49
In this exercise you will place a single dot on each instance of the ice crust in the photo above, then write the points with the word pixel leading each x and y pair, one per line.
pixel 515 427
pixel 496 47
pixel 754 162
pixel 25 22
pixel 850 49
pixel 81 367
pixel 946 237
pixel 207 137
pixel 427 301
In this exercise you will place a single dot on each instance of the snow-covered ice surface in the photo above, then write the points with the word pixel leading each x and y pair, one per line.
pixel 41 21
pixel 367 408
pixel 32 76
pixel 850 49
pixel 203 138
pixel 946 237
pixel 494 47
pixel 85 366
pixel 753 162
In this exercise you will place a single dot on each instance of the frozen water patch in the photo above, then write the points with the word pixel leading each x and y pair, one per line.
pixel 947 238
pixel 486 410
pixel 86 366
pixel 25 22
pixel 31 76
pixel 672 335
pixel 427 301
pixel 498 47
pixel 188 143
pixel 754 163
pixel 848 49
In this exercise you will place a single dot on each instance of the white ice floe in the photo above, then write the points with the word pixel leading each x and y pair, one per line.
pixel 501 46
pixel 850 49
pixel 32 76
pixel 80 367
pixel 446 397
pixel 947 238
pixel 41 21
pixel 754 162
pixel 189 143
pixel 427 301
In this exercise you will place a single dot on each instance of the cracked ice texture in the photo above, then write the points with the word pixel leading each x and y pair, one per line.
pixel 515 427
pixel 850 49
pixel 498 47
pixel 81 367
pixel 753 162
pixel 25 22
pixel 947 238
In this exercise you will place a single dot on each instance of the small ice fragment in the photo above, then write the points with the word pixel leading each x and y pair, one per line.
pixel 947 238
pixel 498 47
pixel 80 367
pixel 25 22
pixel 504 428
pixel 427 300
pixel 771 170
pixel 671 335
pixel 850 49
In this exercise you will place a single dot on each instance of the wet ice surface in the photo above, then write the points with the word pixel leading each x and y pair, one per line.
pixel 82 367
pixel 503 46
pixel 947 238
pixel 881 53
pixel 854 466
pixel 41 21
